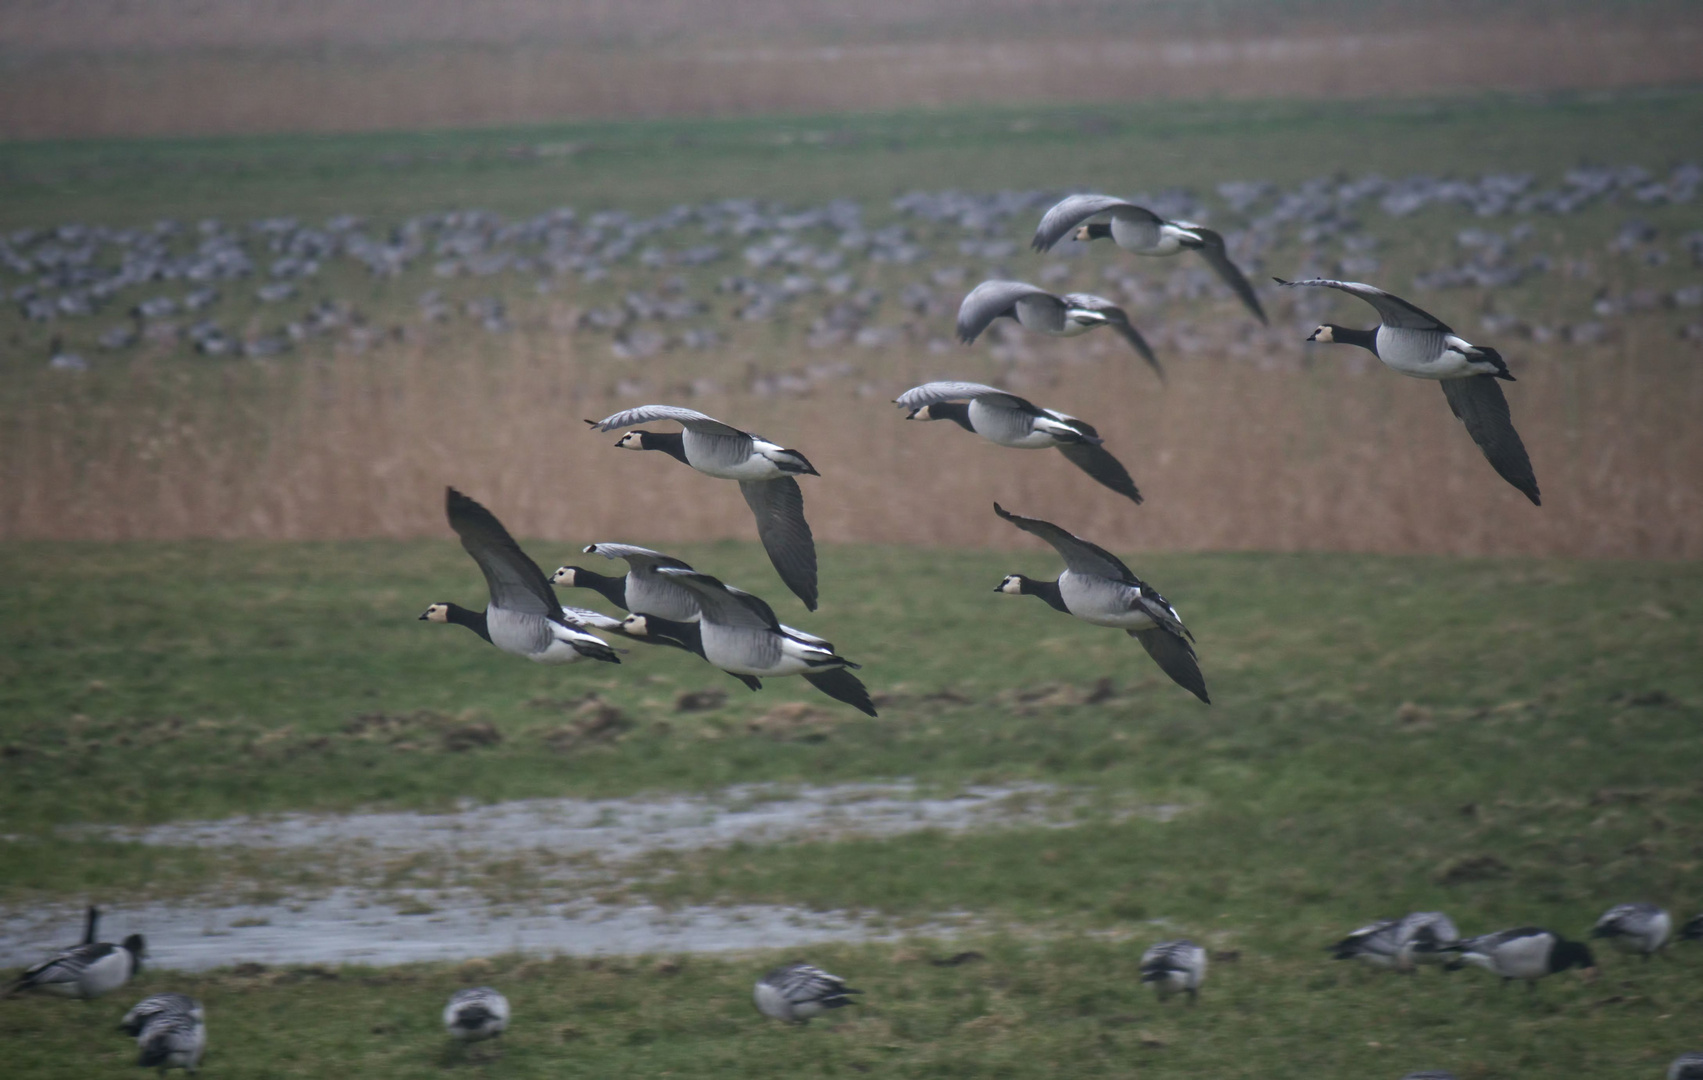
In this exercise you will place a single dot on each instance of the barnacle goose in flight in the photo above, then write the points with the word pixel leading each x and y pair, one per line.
pixel 1038 310
pixel 797 992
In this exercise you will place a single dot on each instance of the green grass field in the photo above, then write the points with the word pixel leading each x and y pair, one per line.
pixel 1510 741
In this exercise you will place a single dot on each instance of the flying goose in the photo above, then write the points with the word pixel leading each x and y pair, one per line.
pixel 1416 343
pixel 523 617
pixel 797 992
pixel 1140 231
pixel 155 1005
pixel 1687 1066
pixel 1528 952
pixel 641 589
pixel 477 1014
pixel 173 1038
pixel 1098 588
pixel 1009 420
pixel 1635 928
pixel 765 472
pixel 1419 937
pixel 88 970
pixel 1174 966
pixel 740 634
pixel 1040 311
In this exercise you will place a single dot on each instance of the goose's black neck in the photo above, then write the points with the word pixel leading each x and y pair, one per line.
pixel 672 443
pixel 1046 590
pixel 91 925
pixel 956 411
pixel 1366 339
pixel 612 589
pixel 1098 231
pixel 473 620
pixel 668 632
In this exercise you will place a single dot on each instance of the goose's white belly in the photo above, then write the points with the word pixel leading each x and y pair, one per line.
pixel 1102 601
pixel 1007 427
pixel 1143 237
pixel 1523 958
pixel 746 651
pixel 727 457
pixel 1424 354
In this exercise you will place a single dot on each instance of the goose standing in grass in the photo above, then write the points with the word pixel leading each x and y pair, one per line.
pixel 1140 231
pixel 1420 937
pixel 1417 343
pixel 524 617
pixel 88 970
pixel 1639 928
pixel 740 634
pixel 1528 952
pixel 644 591
pixel 1040 311
pixel 172 1037
pixel 476 1015
pixel 1009 420
pixel 797 992
pixel 765 472
pixel 1098 588
pixel 1174 967
pixel 1687 1066
pixel 155 1005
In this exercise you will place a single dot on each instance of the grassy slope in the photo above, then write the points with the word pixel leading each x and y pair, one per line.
pixel 1318 800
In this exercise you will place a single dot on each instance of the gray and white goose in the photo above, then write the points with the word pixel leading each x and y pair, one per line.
pixel 1527 952
pixel 1098 588
pixel 173 1036
pixel 1140 231
pixel 1639 928
pixel 1004 418
pixel 797 992
pixel 523 618
pixel 765 471
pixel 644 591
pixel 1420 937
pixel 1416 343
pixel 1174 967
pixel 155 1005
pixel 1042 312
pixel 87 970
pixel 740 634
pixel 476 1014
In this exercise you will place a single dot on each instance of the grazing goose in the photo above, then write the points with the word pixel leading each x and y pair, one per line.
pixel 740 634
pixel 1009 420
pixel 1528 952
pixel 1687 1066
pixel 1098 588
pixel 1635 928
pixel 1040 311
pixel 156 1005
pixel 173 1039
pixel 1416 343
pixel 765 472
pixel 524 617
pixel 1140 231
pixel 797 992
pixel 1173 966
pixel 641 589
pixel 1419 937
pixel 475 1015
pixel 88 970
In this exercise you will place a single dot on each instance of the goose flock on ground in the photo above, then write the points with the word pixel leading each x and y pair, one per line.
pixel 667 602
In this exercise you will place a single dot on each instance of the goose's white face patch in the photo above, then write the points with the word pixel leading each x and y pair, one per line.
pixel 564 576
pixel 1012 585
pixel 1323 335
pixel 1081 233
pixel 437 613
pixel 635 626
pixel 921 414
pixel 632 440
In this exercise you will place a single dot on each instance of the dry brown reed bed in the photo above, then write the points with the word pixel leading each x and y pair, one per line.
pixel 224 92
pixel 1232 454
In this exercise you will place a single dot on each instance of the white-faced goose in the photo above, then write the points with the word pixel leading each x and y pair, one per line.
pixel 764 470
pixel 1527 952
pixel 523 618
pixel 1417 343
pixel 1098 588
pixel 740 635
pixel 1174 967
pixel 1009 420
pixel 644 591
pixel 1140 231
pixel 1040 311
pixel 88 970
pixel 797 992
pixel 477 1014
pixel 1640 928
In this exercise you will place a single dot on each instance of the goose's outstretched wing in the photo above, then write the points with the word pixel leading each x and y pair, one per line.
pixel 1118 319
pixel 515 581
pixel 1080 556
pixel 991 299
pixel 1098 462
pixel 1073 210
pixel 688 418
pixel 639 558
pixel 934 393
pixel 1393 311
pixel 728 607
pixel 1219 260
pixel 1175 657
pixel 842 685
pixel 1477 400
pixel 778 506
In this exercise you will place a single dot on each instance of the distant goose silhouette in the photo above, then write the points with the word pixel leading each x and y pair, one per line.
pixel 1040 311
pixel 523 618
pixel 764 470
pixel 1417 343
pixel 1098 588
pixel 1004 418
pixel 1140 231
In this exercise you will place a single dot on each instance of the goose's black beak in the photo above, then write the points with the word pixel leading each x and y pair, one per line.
pixel 593 423
pixel 1314 336
pixel 423 616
